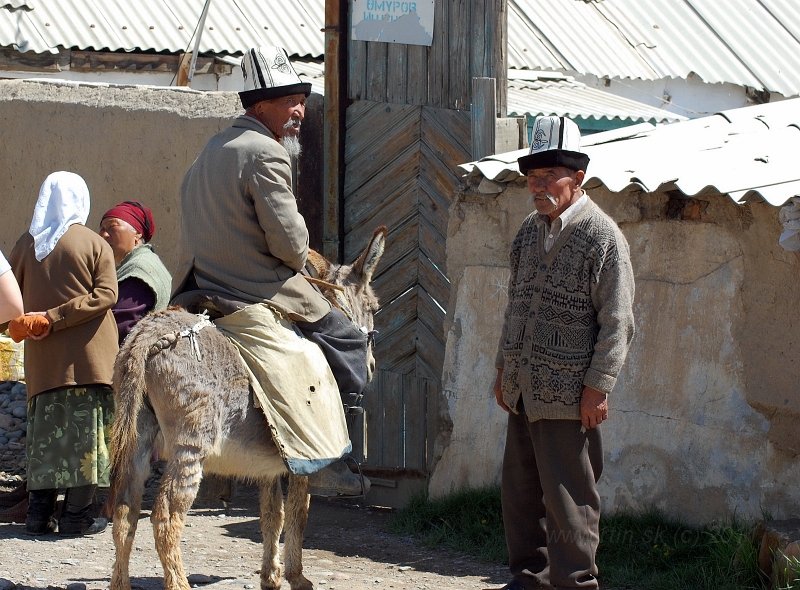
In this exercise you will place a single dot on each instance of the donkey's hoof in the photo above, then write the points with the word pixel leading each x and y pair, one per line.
pixel 120 582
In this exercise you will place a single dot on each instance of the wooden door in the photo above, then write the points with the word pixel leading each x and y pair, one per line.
pixel 400 171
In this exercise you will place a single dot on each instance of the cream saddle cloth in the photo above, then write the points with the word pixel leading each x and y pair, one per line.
pixel 293 385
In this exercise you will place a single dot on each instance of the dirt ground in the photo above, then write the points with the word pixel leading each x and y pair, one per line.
pixel 345 548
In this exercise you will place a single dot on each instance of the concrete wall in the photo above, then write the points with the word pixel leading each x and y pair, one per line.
pixel 705 417
pixel 128 142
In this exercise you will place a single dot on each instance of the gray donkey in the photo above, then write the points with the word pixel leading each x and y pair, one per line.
pixel 200 415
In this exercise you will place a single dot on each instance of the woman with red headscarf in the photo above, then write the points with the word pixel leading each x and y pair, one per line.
pixel 144 281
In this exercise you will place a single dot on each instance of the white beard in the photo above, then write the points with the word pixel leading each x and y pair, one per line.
pixel 291 143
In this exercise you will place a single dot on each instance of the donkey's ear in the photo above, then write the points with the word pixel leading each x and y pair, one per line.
pixel 366 263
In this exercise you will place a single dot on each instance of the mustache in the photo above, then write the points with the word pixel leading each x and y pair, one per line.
pixel 547 196
pixel 292 124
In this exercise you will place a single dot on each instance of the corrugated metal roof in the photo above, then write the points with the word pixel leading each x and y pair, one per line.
pixel 17 29
pixel 312 72
pixel 743 42
pixel 546 94
pixel 232 26
pixel 747 153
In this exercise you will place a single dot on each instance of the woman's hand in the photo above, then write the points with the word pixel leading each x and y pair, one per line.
pixel 39 325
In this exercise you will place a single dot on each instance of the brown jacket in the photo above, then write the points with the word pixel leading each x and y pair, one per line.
pixel 241 231
pixel 76 284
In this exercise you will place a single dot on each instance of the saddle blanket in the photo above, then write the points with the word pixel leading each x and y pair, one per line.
pixel 293 385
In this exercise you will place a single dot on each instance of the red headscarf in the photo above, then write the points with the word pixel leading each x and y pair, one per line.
pixel 139 216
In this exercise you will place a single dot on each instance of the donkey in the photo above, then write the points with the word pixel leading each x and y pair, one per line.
pixel 200 415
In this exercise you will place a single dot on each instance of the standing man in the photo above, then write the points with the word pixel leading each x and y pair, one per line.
pixel 243 240
pixel 567 329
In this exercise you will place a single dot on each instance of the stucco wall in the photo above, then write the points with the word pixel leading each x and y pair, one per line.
pixel 704 417
pixel 128 142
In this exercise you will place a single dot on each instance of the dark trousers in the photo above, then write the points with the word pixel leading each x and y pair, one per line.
pixel 551 507
pixel 345 349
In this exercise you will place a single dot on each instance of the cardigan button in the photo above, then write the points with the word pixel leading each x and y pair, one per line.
pixel 536 289
pixel 523 361
pixel 543 267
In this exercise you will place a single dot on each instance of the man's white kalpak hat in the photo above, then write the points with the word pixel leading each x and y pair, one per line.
pixel 268 73
pixel 556 141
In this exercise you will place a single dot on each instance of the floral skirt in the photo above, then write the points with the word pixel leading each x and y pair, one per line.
pixel 67 438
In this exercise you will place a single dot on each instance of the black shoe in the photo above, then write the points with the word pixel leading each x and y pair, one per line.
pixel 69 527
pixel 76 519
pixel 41 506
pixel 37 526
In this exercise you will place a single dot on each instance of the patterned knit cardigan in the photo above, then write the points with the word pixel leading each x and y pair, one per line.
pixel 569 320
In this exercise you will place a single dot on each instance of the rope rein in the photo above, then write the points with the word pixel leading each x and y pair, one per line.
pixel 168 340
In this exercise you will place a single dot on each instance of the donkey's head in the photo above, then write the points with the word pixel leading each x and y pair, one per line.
pixel 356 298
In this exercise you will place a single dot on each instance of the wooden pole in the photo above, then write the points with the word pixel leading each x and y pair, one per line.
pixel 183 69
pixel 500 53
pixel 484 109
pixel 333 137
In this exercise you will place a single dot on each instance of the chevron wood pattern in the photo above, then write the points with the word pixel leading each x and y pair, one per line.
pixel 400 171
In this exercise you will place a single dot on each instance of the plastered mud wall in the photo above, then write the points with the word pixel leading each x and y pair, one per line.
pixel 128 142
pixel 705 417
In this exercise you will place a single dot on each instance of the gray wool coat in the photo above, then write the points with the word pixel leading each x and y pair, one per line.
pixel 241 232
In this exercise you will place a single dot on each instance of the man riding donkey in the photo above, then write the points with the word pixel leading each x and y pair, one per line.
pixel 244 247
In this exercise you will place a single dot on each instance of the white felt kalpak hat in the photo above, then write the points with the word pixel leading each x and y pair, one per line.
pixel 268 73
pixel 556 142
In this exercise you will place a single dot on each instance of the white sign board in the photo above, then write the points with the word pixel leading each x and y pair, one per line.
pixel 393 21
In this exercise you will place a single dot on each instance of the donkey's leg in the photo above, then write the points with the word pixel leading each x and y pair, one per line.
pixel 296 519
pixel 271 525
pixel 128 485
pixel 178 489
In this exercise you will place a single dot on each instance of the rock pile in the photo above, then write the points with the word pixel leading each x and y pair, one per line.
pixel 13 426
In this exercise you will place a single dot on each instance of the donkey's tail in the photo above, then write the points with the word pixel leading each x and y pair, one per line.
pixel 129 389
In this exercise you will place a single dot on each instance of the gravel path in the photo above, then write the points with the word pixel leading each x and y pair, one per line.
pixel 345 548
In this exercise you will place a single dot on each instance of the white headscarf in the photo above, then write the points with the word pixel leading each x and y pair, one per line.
pixel 63 200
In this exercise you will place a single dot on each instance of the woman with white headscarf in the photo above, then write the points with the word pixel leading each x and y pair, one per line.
pixel 68 280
